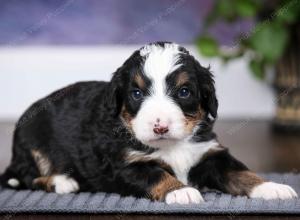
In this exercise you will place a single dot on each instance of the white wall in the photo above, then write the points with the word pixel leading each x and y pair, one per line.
pixel 29 73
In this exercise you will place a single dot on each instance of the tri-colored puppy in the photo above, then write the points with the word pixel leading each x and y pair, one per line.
pixel 146 133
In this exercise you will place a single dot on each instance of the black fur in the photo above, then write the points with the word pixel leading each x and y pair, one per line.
pixel 219 165
pixel 78 128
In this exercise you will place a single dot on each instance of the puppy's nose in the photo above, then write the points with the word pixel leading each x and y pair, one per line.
pixel 160 129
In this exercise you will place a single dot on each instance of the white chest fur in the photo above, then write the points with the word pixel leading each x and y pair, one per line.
pixel 183 156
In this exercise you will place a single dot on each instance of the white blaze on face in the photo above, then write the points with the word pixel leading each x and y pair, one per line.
pixel 159 62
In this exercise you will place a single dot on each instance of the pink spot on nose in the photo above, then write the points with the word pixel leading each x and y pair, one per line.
pixel 160 129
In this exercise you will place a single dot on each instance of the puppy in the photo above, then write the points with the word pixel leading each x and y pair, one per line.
pixel 146 133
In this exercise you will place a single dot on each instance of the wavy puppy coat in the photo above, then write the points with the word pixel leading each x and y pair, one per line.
pixel 146 133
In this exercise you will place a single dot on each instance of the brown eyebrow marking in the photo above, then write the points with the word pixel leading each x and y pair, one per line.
pixel 182 78
pixel 139 81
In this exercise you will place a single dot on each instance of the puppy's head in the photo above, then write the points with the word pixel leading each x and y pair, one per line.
pixel 163 94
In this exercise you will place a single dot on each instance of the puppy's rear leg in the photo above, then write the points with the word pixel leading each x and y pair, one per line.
pixel 61 184
pixel 19 174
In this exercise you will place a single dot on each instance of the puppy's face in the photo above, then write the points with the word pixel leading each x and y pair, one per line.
pixel 165 94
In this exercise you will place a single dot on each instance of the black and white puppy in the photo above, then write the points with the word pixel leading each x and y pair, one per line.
pixel 146 133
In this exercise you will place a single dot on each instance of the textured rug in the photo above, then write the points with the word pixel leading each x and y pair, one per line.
pixel 13 202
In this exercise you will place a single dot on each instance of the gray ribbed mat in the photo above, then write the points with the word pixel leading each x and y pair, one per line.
pixel 215 203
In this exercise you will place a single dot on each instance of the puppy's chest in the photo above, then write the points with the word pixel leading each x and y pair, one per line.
pixel 182 157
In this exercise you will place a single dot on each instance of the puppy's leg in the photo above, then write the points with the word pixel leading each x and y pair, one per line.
pixel 151 180
pixel 60 184
pixel 171 190
pixel 219 170
pixel 20 173
pixel 184 195
pixel 271 190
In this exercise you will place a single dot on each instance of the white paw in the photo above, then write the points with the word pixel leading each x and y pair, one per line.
pixel 14 183
pixel 64 184
pixel 270 190
pixel 185 195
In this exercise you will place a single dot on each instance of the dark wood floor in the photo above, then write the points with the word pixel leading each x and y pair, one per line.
pixel 261 149
pixel 253 142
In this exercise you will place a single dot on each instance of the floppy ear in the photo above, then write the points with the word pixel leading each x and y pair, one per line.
pixel 210 100
pixel 117 86
pixel 114 95
pixel 206 83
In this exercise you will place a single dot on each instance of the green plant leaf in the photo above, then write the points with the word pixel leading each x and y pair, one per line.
pixel 269 40
pixel 257 68
pixel 288 12
pixel 225 9
pixel 246 8
pixel 208 46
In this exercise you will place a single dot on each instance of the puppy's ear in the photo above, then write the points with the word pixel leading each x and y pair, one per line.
pixel 207 94
pixel 114 95
pixel 211 101
pixel 117 84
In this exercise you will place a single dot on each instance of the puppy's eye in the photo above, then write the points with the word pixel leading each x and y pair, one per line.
pixel 184 93
pixel 137 94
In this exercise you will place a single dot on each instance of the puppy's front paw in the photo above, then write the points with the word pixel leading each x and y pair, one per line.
pixel 185 195
pixel 63 184
pixel 270 190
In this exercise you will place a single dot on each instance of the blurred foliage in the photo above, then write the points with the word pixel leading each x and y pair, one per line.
pixel 266 42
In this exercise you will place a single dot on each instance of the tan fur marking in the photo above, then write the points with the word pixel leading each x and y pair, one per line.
pixel 42 162
pixel 137 157
pixel 167 184
pixel 181 79
pixel 45 183
pixel 127 118
pixel 192 120
pixel 139 81
pixel 143 157
pixel 242 182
